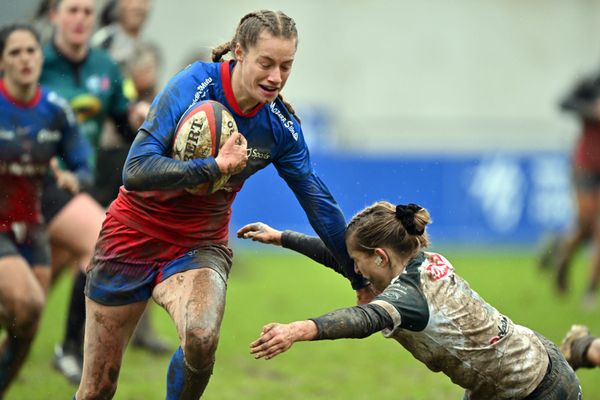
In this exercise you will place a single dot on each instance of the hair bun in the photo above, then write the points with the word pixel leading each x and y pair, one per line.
pixel 406 215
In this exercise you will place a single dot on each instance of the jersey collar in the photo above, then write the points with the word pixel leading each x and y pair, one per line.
pixel 24 104
pixel 226 67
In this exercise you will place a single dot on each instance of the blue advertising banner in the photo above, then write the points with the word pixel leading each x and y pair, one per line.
pixel 485 199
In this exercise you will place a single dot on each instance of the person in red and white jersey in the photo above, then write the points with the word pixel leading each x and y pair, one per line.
pixel 425 306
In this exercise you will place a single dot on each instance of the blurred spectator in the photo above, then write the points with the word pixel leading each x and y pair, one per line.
pixel 120 37
pixel 108 14
pixel 122 40
pixel 584 102
pixel 142 70
pixel 198 54
pixel 41 21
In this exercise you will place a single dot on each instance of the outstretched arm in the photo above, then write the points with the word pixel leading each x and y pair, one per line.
pixel 354 322
pixel 309 246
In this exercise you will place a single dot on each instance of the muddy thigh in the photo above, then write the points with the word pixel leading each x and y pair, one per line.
pixel 195 300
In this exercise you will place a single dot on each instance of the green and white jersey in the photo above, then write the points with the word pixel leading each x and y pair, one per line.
pixel 450 328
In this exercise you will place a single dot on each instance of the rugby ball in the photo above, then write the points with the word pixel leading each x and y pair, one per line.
pixel 200 133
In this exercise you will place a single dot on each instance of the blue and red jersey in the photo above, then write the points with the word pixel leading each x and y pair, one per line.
pixel 30 135
pixel 153 199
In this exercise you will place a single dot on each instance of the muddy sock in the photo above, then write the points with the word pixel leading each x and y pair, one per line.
pixel 76 318
pixel 183 381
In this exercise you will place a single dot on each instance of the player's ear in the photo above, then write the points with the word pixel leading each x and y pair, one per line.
pixel 381 255
pixel 238 51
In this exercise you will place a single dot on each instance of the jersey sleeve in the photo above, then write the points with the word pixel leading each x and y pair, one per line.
pixel 149 165
pixel 405 303
pixel 147 168
pixel 293 160
pixel 353 322
pixel 327 220
pixel 325 216
pixel 74 148
pixel 312 247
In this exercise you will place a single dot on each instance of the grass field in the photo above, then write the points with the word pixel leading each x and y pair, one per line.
pixel 276 286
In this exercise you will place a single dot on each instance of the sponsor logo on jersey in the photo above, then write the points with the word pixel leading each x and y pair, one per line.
pixel 18 169
pixel 20 131
pixel 86 106
pixel 46 135
pixel 257 154
pixel 287 124
pixel 502 330
pixel 437 267
pixel 98 84
pixel 201 90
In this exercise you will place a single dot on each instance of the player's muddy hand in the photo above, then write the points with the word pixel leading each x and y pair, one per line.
pixel 366 294
pixel 260 232
pixel 233 156
pixel 64 179
pixel 274 339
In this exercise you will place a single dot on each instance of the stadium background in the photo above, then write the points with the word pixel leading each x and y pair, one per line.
pixel 449 104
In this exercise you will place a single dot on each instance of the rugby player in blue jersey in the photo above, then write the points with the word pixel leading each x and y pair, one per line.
pixel 35 126
pixel 160 241
pixel 93 85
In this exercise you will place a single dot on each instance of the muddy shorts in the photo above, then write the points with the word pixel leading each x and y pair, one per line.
pixel 116 276
pixel 560 381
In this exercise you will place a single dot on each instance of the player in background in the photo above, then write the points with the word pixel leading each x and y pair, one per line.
pixel 139 61
pixel 580 348
pixel 35 126
pixel 121 37
pixel 584 103
pixel 41 20
pixel 427 307
pixel 92 83
pixel 160 241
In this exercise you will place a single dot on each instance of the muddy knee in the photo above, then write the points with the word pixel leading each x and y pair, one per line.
pixel 200 347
